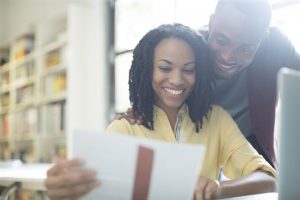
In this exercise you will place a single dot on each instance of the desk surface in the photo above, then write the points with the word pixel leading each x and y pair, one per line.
pixel 31 176
pixel 264 196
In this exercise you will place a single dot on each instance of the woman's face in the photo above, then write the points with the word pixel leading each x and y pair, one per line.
pixel 173 73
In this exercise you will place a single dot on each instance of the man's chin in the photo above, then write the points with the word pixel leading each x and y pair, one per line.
pixel 224 74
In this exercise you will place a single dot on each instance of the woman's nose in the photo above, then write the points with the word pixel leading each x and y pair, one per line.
pixel 176 78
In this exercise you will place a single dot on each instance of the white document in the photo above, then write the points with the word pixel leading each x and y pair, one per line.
pixel 137 168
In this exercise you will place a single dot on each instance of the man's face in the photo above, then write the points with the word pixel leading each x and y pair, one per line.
pixel 233 41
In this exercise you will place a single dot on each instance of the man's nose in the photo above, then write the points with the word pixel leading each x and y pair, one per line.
pixel 228 56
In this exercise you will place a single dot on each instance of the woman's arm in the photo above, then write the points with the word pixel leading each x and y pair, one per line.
pixel 69 180
pixel 254 183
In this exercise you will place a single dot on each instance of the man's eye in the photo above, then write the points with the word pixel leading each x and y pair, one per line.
pixel 221 41
pixel 245 50
pixel 164 69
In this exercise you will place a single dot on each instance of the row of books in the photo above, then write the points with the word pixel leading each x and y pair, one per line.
pixel 49 119
pixel 53 118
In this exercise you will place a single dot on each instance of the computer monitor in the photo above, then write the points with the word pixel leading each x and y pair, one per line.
pixel 287 129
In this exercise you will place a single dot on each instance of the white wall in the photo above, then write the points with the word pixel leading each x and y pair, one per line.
pixel 21 14
pixel 3 14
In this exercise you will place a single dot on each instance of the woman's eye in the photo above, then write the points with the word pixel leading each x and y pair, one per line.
pixel 189 71
pixel 164 69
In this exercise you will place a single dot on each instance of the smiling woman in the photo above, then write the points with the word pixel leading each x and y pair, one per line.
pixel 175 56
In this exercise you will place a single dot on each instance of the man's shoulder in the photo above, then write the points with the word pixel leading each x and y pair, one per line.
pixel 275 50
pixel 277 38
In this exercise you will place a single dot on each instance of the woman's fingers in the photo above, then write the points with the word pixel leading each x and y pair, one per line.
pixel 69 180
pixel 211 189
pixel 74 192
pixel 64 165
pixel 206 189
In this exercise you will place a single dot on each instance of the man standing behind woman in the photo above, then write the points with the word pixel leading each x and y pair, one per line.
pixel 170 85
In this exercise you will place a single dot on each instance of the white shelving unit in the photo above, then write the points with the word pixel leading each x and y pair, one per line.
pixel 29 92
pixel 60 86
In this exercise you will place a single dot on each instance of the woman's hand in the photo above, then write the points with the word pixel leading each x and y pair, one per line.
pixel 69 180
pixel 207 189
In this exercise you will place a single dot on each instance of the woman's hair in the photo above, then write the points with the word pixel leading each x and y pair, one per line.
pixel 140 74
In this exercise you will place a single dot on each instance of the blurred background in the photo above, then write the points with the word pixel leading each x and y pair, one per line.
pixel 64 64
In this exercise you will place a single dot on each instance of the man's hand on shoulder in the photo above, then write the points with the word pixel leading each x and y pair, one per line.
pixel 128 115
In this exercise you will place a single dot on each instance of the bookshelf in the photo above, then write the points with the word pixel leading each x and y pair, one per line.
pixel 33 93
pixel 53 76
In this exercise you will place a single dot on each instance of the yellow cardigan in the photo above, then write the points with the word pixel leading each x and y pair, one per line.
pixel 225 145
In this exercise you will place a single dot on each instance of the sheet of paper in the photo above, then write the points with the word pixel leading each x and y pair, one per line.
pixel 137 168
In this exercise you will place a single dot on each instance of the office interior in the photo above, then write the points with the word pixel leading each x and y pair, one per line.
pixel 64 64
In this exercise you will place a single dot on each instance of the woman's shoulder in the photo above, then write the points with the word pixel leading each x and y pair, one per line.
pixel 217 111
pixel 118 125
pixel 218 116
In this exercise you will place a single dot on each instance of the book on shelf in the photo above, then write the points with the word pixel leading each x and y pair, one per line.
pixel 55 84
pixel 4 56
pixel 22 46
pixel 53 58
pixel 53 118
pixel 4 124
pixel 25 94
pixel 25 70
pixel 4 100
pixel 4 152
pixel 26 122
pixel 4 80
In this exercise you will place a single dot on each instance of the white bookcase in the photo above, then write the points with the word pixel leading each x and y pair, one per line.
pixel 33 93
pixel 59 84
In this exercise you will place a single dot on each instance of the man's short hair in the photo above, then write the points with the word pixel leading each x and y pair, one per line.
pixel 256 9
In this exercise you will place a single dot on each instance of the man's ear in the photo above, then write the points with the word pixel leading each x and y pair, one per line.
pixel 211 22
pixel 267 34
